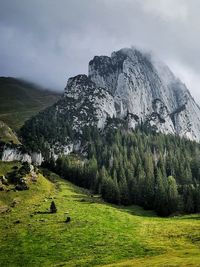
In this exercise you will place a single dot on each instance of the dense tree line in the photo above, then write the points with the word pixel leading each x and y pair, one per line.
pixel 156 171
pixel 45 130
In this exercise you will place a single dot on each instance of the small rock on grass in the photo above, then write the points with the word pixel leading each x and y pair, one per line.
pixel 17 221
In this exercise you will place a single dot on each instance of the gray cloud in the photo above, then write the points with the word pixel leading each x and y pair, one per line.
pixel 48 41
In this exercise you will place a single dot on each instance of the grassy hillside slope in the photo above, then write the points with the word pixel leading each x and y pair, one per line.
pixel 98 234
pixel 19 100
pixel 7 135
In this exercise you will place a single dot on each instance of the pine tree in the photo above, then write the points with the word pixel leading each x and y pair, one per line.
pixel 141 186
pixel 160 194
pixel 172 194
pixel 124 192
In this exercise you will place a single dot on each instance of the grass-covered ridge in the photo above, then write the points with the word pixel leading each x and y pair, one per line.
pixel 98 234
pixel 7 135
pixel 21 100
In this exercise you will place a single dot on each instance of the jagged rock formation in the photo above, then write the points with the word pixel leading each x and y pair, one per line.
pixel 88 103
pixel 128 87
pixel 148 91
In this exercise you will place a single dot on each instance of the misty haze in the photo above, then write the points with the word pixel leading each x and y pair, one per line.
pixel 99 133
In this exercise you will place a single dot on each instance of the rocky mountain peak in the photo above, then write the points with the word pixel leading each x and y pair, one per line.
pixel 147 89
pixel 123 90
pixel 137 84
pixel 79 86
pixel 81 79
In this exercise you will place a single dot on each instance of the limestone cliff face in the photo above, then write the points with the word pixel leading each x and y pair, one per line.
pixel 87 103
pixel 15 154
pixel 148 90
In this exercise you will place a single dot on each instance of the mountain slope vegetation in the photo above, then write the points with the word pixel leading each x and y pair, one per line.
pixel 7 135
pixel 21 100
pixel 156 171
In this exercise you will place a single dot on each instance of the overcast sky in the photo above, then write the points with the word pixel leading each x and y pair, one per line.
pixel 47 41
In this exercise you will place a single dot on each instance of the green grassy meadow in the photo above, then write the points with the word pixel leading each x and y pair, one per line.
pixel 98 234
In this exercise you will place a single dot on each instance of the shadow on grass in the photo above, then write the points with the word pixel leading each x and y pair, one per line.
pixel 43 212
pixel 132 209
pixel 195 217
pixel 90 199
pixel 138 211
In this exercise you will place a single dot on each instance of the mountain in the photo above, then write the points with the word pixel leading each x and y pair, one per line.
pixel 21 100
pixel 147 91
pixel 128 89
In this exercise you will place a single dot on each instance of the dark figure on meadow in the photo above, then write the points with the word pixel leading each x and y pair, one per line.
pixel 53 208
pixel 68 219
